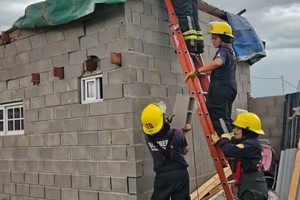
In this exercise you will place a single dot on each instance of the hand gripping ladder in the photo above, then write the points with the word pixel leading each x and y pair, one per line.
pixel 197 89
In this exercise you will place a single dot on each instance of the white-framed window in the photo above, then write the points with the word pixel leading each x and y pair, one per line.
pixel 91 89
pixel 11 119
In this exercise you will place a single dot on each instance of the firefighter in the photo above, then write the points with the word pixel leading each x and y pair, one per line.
pixel 247 151
pixel 223 88
pixel 167 146
pixel 187 13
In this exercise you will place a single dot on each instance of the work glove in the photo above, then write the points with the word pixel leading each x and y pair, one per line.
pixel 192 75
pixel 215 138
pixel 227 135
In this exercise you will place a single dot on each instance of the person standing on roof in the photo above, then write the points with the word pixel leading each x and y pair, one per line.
pixel 187 14
pixel 167 146
pixel 223 88
pixel 247 150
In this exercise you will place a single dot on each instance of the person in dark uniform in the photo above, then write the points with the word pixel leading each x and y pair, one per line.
pixel 167 146
pixel 187 14
pixel 247 151
pixel 223 88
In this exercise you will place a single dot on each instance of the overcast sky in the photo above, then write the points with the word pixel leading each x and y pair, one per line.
pixel 276 21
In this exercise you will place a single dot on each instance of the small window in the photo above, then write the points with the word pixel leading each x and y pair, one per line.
pixel 91 89
pixel 11 119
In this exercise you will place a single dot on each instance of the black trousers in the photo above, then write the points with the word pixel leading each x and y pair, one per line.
pixel 219 102
pixel 187 13
pixel 171 184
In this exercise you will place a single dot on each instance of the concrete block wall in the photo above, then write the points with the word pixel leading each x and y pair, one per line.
pixel 94 151
pixel 271 111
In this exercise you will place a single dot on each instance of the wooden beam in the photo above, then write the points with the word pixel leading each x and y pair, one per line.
pixel 295 177
pixel 212 10
pixel 209 185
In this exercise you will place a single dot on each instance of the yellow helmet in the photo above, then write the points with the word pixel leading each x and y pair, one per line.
pixel 152 117
pixel 220 28
pixel 249 121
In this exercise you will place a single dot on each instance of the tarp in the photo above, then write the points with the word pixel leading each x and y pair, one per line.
pixel 57 12
pixel 247 45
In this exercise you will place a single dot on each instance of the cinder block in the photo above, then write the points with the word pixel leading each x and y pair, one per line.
pixel 45 114
pixel 37 191
pixel 31 178
pixel 85 194
pixel 23 45
pixel 38 40
pixel 62 153
pixel 18 94
pixel 113 122
pixel 62 180
pixel 157 37
pixel 44 66
pixel 160 12
pixel 135 5
pixel 163 65
pixel 100 51
pixel 92 124
pixel 131 169
pixel 104 138
pixel 60 60
pixel 13 84
pixel 168 52
pixel 81 110
pixel 119 184
pixel 118 152
pixel 61 112
pixel 106 168
pixel 100 153
pixel 37 102
pixel 10 49
pixel 36 54
pixel 9 188
pixel 54 36
pixel 22 58
pixel 37 140
pixel 77 57
pixel 173 90
pixel 9 62
pixel 122 75
pixel 4 75
pixel 73 71
pixel 22 189
pixel 69 139
pixel 134 60
pixel 158 91
pixel 60 167
pixel 73 31
pixel 56 126
pixel 52 140
pixel 46 179
pixel 101 183
pixel 31 92
pixel 81 181
pixel 35 166
pixel 112 91
pixel 17 177
pixel 9 141
pixel 122 136
pixel 87 167
pixel 5 176
pixel 52 193
pixel 69 194
pixel 88 138
pixel 70 45
pixel 80 153
pixel 70 97
pixel 46 153
pixel 6 96
pixel 136 90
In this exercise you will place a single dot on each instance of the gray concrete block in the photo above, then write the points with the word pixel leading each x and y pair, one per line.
pixel 10 49
pixel 135 5
pixel 9 141
pixel 46 179
pixel 22 58
pixel 112 91
pixel 5 176
pixel 62 180
pixel 56 126
pixel 51 50
pixel 134 60
pixel 60 60
pixel 9 62
pixel 157 37
pixel 122 136
pixel 44 66
pixel 135 18
pixel 87 167
pixel 118 46
pixel 23 45
pixel 70 45
pixel 122 75
pixel 104 138
pixel 22 141
pixel 61 167
pixel 62 153
pixel 113 122
pixel 77 57
pixel 101 183
pixel 107 168
pixel 109 35
pixel 36 54
pixel 168 52
pixel 88 138
pixel 85 194
pixel 100 51
pixel 18 95
pixel 31 178
pixel 160 12
pixel 163 65
pixel 35 166
pixel 54 36
pixel 46 153
pixel 70 97
pixel 61 112
pixel 45 114
pixel 92 123
pixel 13 84
pixel 89 41
pixel 80 153
pixel 37 140
pixel 81 181
pixel 9 188
pixel 81 110
pixel 74 125
pixel 17 177
pixel 149 22
pixel 173 90
pixel 151 49
pixel 118 152
pixel 69 139
pixel 136 90
pixel 4 74
pixel 38 40
pixel 1 51
pixel 69 194
pixel 158 91
pixel 37 102
pixel 151 76
pixel 100 153
pixel 25 82
pixel 73 30
pixel 94 25
pixel 52 193
pixel 52 140
pixel 37 191
pixel 66 85
pixel 119 184
pixel 6 96
pixel 22 189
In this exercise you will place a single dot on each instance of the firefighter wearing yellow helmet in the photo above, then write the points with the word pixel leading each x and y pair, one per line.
pixel 167 147
pixel 247 151
pixel 222 70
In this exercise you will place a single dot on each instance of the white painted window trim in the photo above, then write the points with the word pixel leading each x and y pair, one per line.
pixel 4 108
pixel 98 89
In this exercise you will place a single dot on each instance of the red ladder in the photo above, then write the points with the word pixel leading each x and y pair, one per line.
pixel 197 89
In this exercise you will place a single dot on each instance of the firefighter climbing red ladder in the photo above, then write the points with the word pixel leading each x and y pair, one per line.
pixel 197 89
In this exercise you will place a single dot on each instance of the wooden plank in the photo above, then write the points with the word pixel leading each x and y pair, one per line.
pixel 209 185
pixel 296 175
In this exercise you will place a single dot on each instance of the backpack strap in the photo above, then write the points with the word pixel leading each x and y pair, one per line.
pixel 166 153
